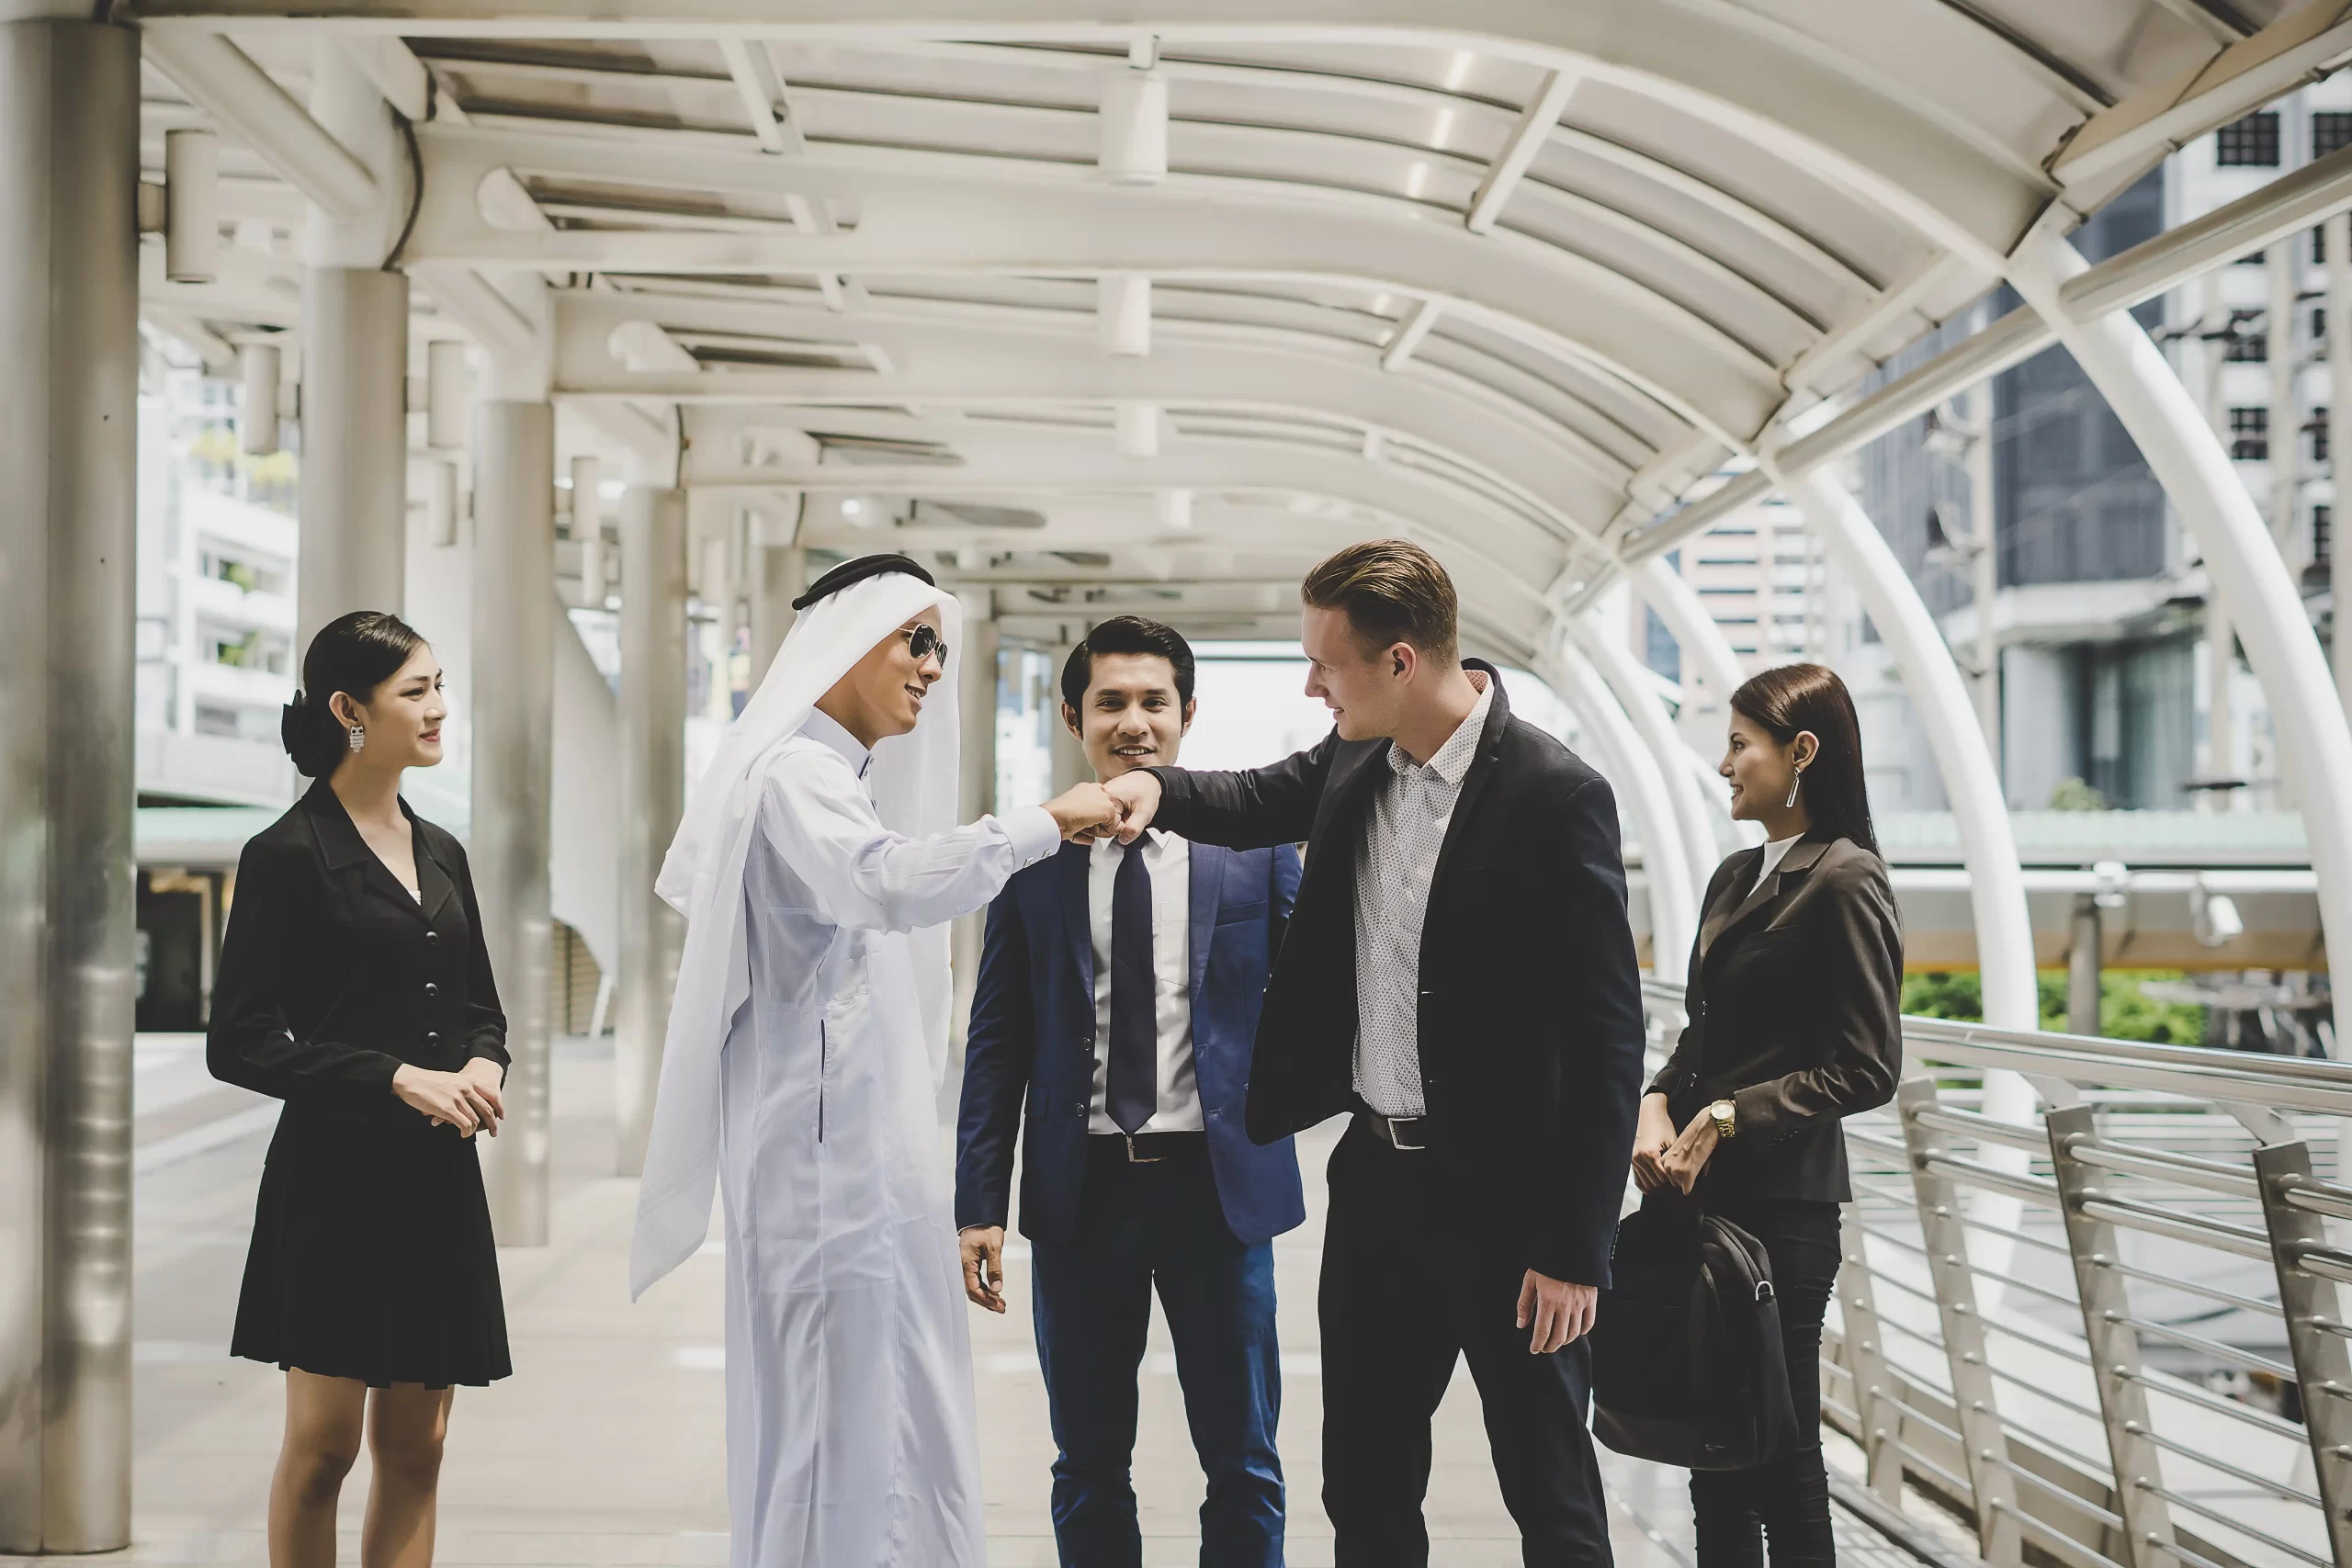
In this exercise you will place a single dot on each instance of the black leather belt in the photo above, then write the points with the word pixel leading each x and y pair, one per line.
pixel 1145 1148
pixel 1409 1134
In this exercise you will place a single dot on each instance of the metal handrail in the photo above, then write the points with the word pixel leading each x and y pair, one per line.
pixel 1969 1306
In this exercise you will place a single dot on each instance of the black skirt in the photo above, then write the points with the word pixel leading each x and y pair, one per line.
pixel 372 1256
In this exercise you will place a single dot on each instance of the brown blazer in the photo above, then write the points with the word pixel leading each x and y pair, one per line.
pixel 1794 998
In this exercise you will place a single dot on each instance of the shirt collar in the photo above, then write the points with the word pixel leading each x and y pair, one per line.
pixel 822 725
pixel 1452 763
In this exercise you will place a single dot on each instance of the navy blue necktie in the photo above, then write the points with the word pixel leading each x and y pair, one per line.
pixel 1132 1088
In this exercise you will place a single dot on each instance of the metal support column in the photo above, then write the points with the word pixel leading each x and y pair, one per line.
pixel 1985 1446
pixel 2339 440
pixel 513 748
pixel 975 674
pixel 780 576
pixel 2083 958
pixel 653 788
pixel 2309 1304
pixel 68 334
pixel 1070 766
pixel 1876 1411
pixel 2095 1247
pixel 353 489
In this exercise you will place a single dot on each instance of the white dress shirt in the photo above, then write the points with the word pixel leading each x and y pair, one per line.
pixel 1403 834
pixel 1169 859
pixel 1774 853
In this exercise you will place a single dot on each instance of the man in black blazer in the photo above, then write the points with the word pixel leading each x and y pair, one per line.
pixel 1116 1007
pixel 1459 977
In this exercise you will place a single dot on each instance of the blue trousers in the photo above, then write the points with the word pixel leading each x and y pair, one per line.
pixel 1141 1226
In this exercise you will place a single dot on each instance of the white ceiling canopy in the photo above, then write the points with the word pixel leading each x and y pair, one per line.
pixel 1512 277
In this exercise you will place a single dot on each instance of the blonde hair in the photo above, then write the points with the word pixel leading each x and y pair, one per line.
pixel 1392 590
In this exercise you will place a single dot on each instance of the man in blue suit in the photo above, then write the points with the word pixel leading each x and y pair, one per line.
pixel 1117 1003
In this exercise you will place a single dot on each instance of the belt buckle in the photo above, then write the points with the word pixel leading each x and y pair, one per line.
pixel 1396 1142
pixel 1134 1158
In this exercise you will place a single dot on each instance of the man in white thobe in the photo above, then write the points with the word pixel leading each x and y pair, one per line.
pixel 817 867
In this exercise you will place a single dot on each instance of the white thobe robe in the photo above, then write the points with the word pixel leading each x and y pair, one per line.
pixel 850 1432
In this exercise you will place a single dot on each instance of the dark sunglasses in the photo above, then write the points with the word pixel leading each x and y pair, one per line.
pixel 922 641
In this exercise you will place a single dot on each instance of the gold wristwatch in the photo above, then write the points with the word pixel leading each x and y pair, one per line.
pixel 1721 1113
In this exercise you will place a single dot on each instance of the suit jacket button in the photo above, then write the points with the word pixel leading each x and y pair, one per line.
pixel 433 1037
pixel 431 990
pixel 431 939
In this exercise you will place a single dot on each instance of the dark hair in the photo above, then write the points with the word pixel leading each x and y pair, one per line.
pixel 1393 592
pixel 1128 634
pixel 353 653
pixel 1808 696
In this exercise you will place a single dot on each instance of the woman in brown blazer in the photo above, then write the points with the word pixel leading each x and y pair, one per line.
pixel 1793 998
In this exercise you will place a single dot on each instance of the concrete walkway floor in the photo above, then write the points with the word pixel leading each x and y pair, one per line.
pixel 605 1446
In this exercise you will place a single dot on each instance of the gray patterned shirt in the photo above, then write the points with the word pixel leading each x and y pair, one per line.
pixel 1406 827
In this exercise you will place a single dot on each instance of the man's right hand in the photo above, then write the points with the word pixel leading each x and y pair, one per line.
pixel 983 1247
pixel 1137 795
pixel 1084 813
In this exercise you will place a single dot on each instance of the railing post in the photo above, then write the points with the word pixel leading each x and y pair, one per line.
pixel 1985 1447
pixel 1879 1417
pixel 2308 1305
pixel 2114 1347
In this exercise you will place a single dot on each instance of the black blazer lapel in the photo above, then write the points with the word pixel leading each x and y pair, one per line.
pixel 432 878
pixel 1730 911
pixel 347 853
pixel 1205 877
pixel 1071 869
pixel 1482 772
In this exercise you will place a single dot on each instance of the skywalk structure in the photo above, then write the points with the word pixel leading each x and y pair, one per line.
pixel 1099 307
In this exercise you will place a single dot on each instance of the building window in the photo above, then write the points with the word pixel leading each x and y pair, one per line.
pixel 2319 323
pixel 2250 434
pixel 2317 425
pixel 2319 245
pixel 2247 348
pixel 2331 129
pixel 2249 144
pixel 2322 534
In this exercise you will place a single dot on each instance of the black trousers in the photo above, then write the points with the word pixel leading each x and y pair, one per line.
pixel 1408 1288
pixel 1787 1498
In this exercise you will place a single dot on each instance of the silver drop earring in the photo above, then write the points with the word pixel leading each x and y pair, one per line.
pixel 359 739
pixel 1795 779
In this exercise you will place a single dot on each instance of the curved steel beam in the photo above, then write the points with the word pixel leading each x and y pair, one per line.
pixel 1641 785
pixel 959 221
pixel 1768 91
pixel 1687 807
pixel 2250 579
pixel 982 368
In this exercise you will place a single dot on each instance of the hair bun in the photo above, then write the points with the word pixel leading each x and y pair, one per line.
pixel 298 731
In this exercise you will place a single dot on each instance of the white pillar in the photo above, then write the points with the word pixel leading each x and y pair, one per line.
pixel 2339 439
pixel 1640 787
pixel 781 575
pixel 973 668
pixel 69 335
pixel 354 482
pixel 653 767
pixel 1692 816
pixel 1069 753
pixel 2249 576
pixel 353 479
pixel 514 626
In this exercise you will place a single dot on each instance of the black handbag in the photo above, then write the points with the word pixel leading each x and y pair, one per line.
pixel 1688 1364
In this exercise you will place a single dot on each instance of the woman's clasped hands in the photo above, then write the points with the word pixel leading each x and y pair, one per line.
pixel 1662 1155
pixel 470 1099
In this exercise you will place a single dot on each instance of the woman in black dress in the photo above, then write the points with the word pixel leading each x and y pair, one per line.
pixel 355 986
pixel 1792 996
